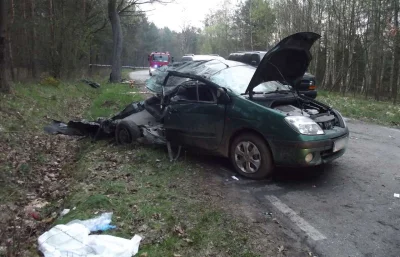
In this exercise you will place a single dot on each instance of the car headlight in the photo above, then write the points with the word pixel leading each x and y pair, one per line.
pixel 341 117
pixel 155 65
pixel 304 125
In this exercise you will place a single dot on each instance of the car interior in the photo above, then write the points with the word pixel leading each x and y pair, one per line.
pixel 194 93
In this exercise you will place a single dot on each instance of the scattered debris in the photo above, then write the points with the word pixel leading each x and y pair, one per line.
pixel 64 212
pixel 397 195
pixel 171 153
pixel 187 240
pixel 35 215
pixel 74 240
pixel 97 129
pixel 91 83
pixel 143 228
pixel 37 204
pixel 235 178
pixel 179 230
pixel 281 248
pixel 99 223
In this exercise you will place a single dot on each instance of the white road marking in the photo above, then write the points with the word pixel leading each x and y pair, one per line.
pixel 296 219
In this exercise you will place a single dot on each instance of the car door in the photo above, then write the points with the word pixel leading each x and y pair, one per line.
pixel 194 117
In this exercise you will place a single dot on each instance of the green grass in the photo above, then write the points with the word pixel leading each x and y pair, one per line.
pixel 152 197
pixel 31 105
pixel 363 109
pixel 148 195
pixel 111 99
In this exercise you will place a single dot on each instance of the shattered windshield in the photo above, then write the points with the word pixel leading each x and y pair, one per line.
pixel 236 78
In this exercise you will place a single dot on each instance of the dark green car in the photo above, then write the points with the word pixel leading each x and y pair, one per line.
pixel 252 116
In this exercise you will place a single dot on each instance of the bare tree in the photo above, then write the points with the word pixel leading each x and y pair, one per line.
pixel 33 56
pixel 9 40
pixel 396 54
pixel 4 85
pixel 115 11
pixel 115 21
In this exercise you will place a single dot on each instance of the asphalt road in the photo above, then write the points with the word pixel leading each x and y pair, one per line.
pixel 140 75
pixel 346 208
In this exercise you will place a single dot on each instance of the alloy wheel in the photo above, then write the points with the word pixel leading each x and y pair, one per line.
pixel 247 157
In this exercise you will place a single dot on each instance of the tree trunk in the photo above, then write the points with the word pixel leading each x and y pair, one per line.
pixel 9 43
pixel 376 51
pixel 55 69
pixel 396 55
pixel 115 21
pixel 4 85
pixel 33 39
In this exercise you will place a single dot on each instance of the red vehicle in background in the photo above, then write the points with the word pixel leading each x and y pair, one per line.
pixel 157 60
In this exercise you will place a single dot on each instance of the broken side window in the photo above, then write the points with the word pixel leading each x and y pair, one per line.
pixel 194 91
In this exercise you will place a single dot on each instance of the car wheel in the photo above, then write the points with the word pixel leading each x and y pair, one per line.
pixel 126 132
pixel 150 74
pixel 251 156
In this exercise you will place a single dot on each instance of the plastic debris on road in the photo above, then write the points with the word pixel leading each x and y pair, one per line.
pixel 235 178
pixel 397 195
pixel 99 223
pixel 74 239
pixel 64 212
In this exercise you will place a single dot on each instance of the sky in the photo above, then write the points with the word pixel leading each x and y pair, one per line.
pixel 175 14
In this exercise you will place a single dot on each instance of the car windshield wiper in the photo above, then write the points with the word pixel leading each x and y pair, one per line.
pixel 285 92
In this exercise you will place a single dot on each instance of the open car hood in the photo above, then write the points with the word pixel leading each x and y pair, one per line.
pixel 287 61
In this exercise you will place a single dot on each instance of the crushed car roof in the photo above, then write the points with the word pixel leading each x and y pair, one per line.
pixel 205 69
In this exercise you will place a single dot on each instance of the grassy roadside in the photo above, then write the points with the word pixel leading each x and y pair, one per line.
pixel 162 201
pixel 384 113
pixel 150 196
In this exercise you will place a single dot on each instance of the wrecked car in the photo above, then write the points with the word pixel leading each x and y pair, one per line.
pixel 253 116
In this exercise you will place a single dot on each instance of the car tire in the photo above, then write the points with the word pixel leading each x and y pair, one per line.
pixel 256 166
pixel 126 132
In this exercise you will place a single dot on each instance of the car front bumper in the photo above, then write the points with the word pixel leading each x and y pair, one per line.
pixel 293 154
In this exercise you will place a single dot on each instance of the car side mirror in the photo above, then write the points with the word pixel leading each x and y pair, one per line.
pixel 223 96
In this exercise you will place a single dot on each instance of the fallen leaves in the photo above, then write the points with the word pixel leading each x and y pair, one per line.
pixel 34 165
pixel 156 216
pixel 179 230
pixel 188 240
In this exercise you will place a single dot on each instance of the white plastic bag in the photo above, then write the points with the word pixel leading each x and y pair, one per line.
pixel 74 240
pixel 99 223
